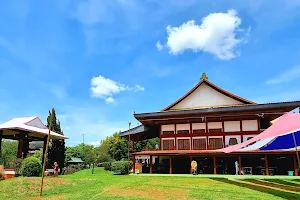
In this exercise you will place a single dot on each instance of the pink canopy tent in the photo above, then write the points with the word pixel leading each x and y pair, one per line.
pixel 288 123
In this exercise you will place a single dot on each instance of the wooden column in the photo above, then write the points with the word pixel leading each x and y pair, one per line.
pixel 1 133
pixel 223 130
pixel 132 146
pixel 20 146
pixel 170 163
pixel 191 159
pixel 215 164
pixel 25 145
pixel 240 165
pixel 175 136
pixel 241 130
pixel 296 173
pixel 44 147
pixel 133 163
pixel 191 138
pixel 266 165
pixel 150 164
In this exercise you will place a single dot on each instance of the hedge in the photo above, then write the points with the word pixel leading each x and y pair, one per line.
pixel 31 166
pixel 120 167
pixel 107 166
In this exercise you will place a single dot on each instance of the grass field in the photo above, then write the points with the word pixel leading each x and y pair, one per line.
pixel 104 185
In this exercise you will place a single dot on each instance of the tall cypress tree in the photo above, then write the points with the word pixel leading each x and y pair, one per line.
pixel 57 150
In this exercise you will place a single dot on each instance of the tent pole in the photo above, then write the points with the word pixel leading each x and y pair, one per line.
pixel 296 147
pixel 45 156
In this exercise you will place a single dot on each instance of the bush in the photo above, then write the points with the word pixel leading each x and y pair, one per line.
pixel 107 166
pixel 2 173
pixel 17 165
pixel 120 167
pixel 31 166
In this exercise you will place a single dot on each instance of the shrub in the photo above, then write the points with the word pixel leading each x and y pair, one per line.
pixel 17 164
pixel 31 166
pixel 2 173
pixel 107 166
pixel 120 167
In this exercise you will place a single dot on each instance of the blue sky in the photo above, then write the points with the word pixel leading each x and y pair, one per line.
pixel 98 61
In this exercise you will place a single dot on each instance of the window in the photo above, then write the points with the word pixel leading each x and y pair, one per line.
pixel 215 143
pixel 183 144
pixel 232 141
pixel 168 132
pixel 199 144
pixel 168 144
pixel 183 132
pixel 215 130
pixel 195 131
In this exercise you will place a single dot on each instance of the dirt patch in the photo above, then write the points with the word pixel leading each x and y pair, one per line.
pixel 87 179
pixel 149 193
pixel 57 197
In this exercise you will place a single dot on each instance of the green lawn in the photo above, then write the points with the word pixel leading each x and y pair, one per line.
pixel 104 185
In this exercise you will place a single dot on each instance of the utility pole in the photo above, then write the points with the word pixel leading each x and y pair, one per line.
pixel 83 138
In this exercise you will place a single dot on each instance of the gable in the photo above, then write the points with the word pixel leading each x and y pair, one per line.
pixel 36 123
pixel 205 96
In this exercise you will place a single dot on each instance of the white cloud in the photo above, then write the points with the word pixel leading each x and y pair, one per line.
pixel 215 35
pixel 289 75
pixel 105 88
pixel 138 88
pixel 159 46
pixel 109 100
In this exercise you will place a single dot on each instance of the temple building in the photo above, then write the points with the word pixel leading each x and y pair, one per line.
pixel 204 122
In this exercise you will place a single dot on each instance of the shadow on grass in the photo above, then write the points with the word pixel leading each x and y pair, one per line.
pixel 288 183
pixel 284 195
pixel 274 185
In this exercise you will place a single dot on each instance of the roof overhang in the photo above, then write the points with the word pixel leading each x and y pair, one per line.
pixel 210 152
pixel 141 132
pixel 269 110
pixel 14 127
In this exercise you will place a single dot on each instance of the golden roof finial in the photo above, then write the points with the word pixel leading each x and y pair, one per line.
pixel 203 77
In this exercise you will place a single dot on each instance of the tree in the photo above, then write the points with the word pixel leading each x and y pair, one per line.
pixel 57 147
pixel 83 151
pixel 9 151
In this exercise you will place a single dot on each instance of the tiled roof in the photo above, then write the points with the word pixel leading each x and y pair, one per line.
pixel 75 160
pixel 222 108
pixel 135 130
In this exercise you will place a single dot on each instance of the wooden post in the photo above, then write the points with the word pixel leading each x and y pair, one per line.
pixel 191 159
pixel 1 133
pixel 133 163
pixel 150 164
pixel 215 165
pixel 266 165
pixel 20 146
pixel 295 166
pixel 240 165
pixel 170 163
pixel 132 146
pixel 25 145
pixel 45 156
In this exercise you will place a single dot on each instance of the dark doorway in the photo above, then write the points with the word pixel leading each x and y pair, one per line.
pixel 181 165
